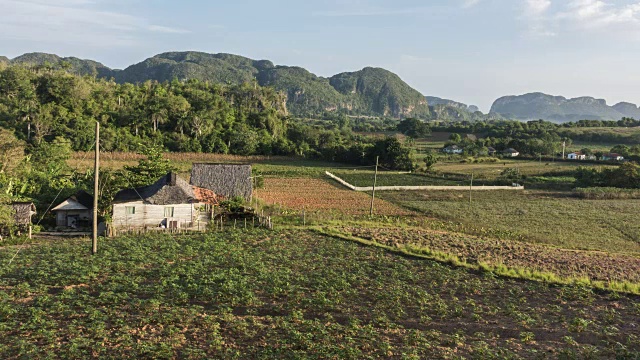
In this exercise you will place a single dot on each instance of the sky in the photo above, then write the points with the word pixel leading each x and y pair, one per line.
pixel 473 51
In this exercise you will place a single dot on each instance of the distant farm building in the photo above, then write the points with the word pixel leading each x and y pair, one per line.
pixel 75 212
pixel 612 157
pixel 170 203
pixel 577 156
pixel 226 180
pixel 511 152
pixel 453 149
pixel 491 151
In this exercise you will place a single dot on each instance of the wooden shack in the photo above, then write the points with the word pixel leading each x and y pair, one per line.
pixel 169 203
pixel 226 180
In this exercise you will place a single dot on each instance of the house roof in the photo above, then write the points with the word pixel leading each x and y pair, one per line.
pixel 452 147
pixel 511 151
pixel 226 180
pixel 81 200
pixel 23 212
pixel 168 190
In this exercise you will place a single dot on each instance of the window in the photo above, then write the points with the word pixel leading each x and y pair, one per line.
pixel 168 212
pixel 130 210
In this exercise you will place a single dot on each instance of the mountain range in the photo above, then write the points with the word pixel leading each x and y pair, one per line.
pixel 536 106
pixel 370 91
pixel 433 101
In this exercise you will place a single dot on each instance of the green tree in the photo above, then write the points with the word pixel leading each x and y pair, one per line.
pixel 430 160
pixel 393 154
pixel 149 169
pixel 455 138
pixel 414 128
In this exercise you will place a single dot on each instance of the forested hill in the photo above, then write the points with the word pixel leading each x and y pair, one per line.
pixel 536 106
pixel 371 91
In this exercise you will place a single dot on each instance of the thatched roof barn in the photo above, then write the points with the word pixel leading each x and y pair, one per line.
pixel 227 180
pixel 168 190
pixel 23 212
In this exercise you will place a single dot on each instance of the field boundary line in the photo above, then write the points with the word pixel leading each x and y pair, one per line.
pixel 519 273
pixel 418 188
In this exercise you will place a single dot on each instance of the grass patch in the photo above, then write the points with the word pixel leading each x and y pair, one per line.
pixel 532 216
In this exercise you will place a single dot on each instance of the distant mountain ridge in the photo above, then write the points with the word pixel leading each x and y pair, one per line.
pixel 370 91
pixel 538 105
pixel 433 100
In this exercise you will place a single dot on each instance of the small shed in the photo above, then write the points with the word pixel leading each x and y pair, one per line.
pixel 453 149
pixel 577 156
pixel 612 157
pixel 226 180
pixel 24 211
pixel 511 152
pixel 491 150
pixel 75 212
pixel 170 202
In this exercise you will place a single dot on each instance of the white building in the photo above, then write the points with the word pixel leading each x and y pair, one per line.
pixel 170 202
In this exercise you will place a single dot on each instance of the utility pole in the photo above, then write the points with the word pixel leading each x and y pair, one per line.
pixel 470 190
pixel 375 180
pixel 564 148
pixel 94 247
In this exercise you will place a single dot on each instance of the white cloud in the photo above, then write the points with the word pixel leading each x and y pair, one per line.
pixel 470 3
pixel 535 12
pixel 79 22
pixel 537 7
pixel 545 19
pixel 373 11
pixel 167 30
pixel 601 14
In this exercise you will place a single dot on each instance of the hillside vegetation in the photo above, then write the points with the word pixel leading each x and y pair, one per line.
pixel 371 91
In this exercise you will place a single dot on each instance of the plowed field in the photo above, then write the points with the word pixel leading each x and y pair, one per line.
pixel 320 195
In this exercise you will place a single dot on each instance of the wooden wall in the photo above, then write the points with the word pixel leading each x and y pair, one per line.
pixel 148 215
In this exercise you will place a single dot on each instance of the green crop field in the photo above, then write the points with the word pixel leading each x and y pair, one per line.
pixel 289 295
pixel 533 216
pixel 492 170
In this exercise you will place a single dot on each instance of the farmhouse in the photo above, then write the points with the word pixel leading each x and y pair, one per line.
pixel 491 151
pixel 511 152
pixel 612 157
pixel 453 149
pixel 75 212
pixel 577 156
pixel 170 202
pixel 226 180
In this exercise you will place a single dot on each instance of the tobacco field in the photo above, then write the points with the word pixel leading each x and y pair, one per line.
pixel 290 295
